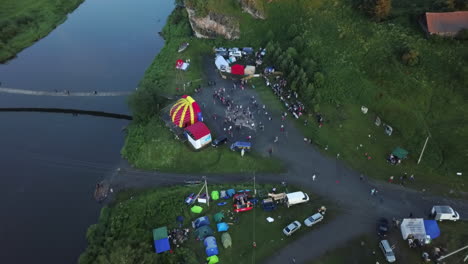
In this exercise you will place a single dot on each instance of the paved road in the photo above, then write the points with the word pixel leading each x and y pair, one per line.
pixel 335 181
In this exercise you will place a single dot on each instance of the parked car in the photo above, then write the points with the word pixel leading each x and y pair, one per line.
pixel 220 49
pixel 387 251
pixel 219 141
pixel 233 50
pixel 291 228
pixel 314 219
pixel 444 212
pixel 235 54
pixel 382 227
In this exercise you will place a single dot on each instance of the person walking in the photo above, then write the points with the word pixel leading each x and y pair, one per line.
pixel 276 139
pixel 390 180
pixel 270 151
pixel 282 128
pixel 313 177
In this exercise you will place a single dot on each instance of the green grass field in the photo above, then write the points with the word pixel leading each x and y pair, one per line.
pixel 22 22
pixel 124 231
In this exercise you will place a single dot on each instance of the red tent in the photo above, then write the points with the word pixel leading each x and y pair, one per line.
pixel 198 130
pixel 237 69
pixel 179 64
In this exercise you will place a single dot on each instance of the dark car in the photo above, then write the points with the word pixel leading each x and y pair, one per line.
pixel 219 141
pixel 382 227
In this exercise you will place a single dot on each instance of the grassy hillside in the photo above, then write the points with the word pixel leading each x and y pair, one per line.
pixel 22 22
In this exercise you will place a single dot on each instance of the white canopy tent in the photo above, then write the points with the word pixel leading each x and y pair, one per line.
pixel 221 63
pixel 414 227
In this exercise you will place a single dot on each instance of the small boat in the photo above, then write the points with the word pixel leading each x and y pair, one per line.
pixel 183 46
pixel 102 191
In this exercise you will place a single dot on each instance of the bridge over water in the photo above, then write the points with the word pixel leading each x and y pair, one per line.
pixel 60 93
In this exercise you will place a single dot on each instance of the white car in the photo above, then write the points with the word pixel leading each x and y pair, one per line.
pixel 234 50
pixel 237 54
pixel 314 219
pixel 220 49
pixel 387 251
pixel 291 228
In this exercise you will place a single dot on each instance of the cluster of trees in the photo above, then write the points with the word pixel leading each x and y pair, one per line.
pixel 303 74
pixel 450 5
pixel 377 9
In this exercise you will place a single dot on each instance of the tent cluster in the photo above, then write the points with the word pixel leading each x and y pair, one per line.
pixel 225 60
pixel 186 113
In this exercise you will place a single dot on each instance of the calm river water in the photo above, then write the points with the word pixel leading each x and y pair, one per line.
pixel 51 162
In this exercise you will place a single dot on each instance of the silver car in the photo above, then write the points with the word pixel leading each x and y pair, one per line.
pixel 387 251
pixel 291 228
pixel 314 219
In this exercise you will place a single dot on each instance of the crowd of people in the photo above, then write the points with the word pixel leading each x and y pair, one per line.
pixel 288 97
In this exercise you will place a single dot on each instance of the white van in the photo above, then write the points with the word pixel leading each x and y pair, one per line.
pixel 387 251
pixel 296 198
pixel 444 212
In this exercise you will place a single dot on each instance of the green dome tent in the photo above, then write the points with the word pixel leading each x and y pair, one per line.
pixel 203 231
pixel 213 259
pixel 218 217
pixel 215 195
pixel 196 209
pixel 226 240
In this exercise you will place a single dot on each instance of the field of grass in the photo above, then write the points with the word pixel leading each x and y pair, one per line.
pixel 124 231
pixel 22 22
pixel 453 236
pixel 152 146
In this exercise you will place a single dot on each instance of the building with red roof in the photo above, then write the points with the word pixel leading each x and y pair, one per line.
pixel 198 135
pixel 447 23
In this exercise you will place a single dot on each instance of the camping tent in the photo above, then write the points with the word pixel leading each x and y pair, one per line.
pixel 221 63
pixel 249 70
pixel 224 195
pixel 181 65
pixel 198 135
pixel 211 248
pixel 215 195
pixel 231 192
pixel 222 227
pixel 185 112
pixel 432 228
pixel 226 240
pixel 414 227
pixel 201 221
pixel 213 259
pixel 237 69
pixel 202 232
pixel 196 209
pixel 161 241
pixel 400 153
pixel 218 217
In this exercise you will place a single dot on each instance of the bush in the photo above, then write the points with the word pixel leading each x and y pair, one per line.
pixel 462 34
pixel 377 9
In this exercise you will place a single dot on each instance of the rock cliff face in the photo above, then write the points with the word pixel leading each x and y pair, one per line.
pixel 250 6
pixel 213 25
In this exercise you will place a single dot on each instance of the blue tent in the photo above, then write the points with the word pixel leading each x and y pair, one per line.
pixel 432 228
pixel 162 245
pixel 231 192
pixel 201 221
pixel 211 246
pixel 222 227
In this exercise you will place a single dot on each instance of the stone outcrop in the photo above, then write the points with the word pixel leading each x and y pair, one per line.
pixel 250 6
pixel 213 25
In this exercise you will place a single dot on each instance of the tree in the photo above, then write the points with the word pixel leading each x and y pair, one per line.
pixel 378 9
pixel 270 35
pixel 292 31
pixel 308 93
pixel 298 42
pixel 292 52
pixel 319 79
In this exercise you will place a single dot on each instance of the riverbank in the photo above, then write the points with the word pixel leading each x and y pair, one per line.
pixel 24 22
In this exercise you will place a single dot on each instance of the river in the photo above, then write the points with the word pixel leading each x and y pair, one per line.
pixel 51 162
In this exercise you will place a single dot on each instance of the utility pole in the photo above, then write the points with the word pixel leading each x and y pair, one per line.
pixel 207 195
pixel 255 189
pixel 424 147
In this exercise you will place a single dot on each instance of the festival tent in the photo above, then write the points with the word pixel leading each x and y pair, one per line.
pixel 213 259
pixel 237 69
pixel 198 135
pixel 161 241
pixel 218 217
pixel 413 227
pixel 181 65
pixel 226 240
pixel 185 112
pixel 201 221
pixel 222 227
pixel 202 232
pixel 249 70
pixel 400 153
pixel 215 195
pixel 211 248
pixel 224 195
pixel 221 63
pixel 196 209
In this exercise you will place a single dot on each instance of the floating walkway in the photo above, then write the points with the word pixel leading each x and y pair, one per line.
pixel 75 112
pixel 60 93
